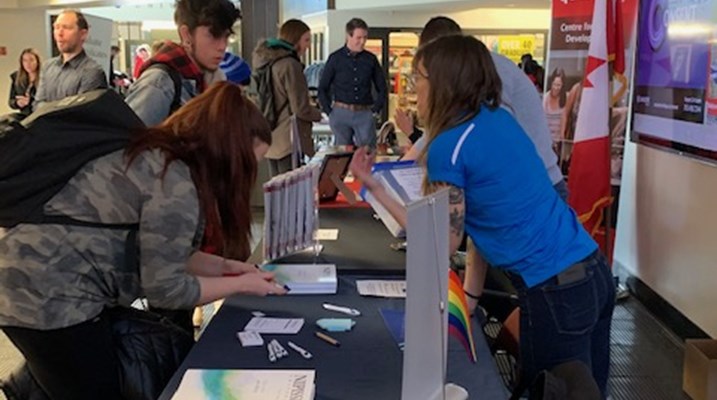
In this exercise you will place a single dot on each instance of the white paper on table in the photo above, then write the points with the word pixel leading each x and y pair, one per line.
pixel 275 326
pixel 381 288
pixel 327 234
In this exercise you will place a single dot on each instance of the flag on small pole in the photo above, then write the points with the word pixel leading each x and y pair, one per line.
pixel 459 320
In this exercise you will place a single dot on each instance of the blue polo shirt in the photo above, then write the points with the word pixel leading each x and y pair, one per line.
pixel 513 215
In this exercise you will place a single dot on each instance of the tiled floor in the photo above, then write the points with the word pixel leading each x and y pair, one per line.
pixel 646 357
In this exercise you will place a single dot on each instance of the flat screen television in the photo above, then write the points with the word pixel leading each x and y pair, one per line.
pixel 674 105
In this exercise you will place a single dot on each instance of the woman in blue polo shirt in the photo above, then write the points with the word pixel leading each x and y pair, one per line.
pixel 501 196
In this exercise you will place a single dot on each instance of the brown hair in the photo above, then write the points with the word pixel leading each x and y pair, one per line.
pixel 214 134
pixel 23 78
pixel 355 23
pixel 462 78
pixel 81 20
pixel 559 73
pixel 437 27
pixel 218 15
pixel 292 30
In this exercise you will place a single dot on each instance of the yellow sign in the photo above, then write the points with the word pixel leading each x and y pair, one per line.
pixel 514 46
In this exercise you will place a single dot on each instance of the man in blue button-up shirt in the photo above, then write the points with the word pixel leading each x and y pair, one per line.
pixel 345 89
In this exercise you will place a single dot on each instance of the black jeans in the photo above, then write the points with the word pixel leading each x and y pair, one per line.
pixel 74 363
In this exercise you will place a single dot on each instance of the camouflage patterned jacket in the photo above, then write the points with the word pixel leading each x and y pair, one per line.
pixel 55 276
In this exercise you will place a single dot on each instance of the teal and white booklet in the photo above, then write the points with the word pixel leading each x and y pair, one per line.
pixel 305 278
pixel 236 384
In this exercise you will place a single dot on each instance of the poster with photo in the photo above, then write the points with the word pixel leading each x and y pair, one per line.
pixel 675 96
pixel 565 70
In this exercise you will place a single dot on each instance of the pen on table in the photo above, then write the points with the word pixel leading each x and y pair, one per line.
pixel 328 339
pixel 344 310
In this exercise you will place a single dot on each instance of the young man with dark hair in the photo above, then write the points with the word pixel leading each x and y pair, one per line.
pixel 345 88
pixel 73 71
pixel 204 28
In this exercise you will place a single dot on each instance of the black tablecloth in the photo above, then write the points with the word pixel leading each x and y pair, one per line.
pixel 363 246
pixel 367 365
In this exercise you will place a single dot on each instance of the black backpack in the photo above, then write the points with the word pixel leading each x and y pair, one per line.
pixel 176 80
pixel 41 153
pixel 265 91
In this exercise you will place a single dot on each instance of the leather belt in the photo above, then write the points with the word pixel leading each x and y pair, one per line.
pixel 352 107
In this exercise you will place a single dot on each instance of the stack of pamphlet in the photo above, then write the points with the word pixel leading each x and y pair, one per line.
pixel 290 212
pixel 305 278
pixel 212 384
pixel 403 181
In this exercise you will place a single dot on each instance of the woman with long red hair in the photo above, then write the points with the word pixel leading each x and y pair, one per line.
pixel 58 282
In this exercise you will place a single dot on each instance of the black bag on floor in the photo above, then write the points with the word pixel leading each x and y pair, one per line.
pixel 41 153
pixel 149 348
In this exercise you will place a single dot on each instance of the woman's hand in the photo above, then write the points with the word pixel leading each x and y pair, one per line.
pixel 259 284
pixel 22 101
pixel 404 121
pixel 234 267
pixel 360 167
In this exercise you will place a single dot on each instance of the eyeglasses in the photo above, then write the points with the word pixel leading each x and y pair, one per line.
pixel 414 77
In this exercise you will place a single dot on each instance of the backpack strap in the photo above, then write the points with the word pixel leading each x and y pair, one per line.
pixel 64 220
pixel 177 80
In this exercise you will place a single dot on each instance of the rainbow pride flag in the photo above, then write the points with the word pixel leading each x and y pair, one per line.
pixel 459 323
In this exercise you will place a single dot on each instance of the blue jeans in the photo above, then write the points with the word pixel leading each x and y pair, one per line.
pixel 569 321
pixel 353 127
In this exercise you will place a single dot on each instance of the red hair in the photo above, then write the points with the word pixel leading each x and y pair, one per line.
pixel 215 134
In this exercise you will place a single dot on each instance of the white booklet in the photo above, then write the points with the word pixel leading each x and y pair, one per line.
pixel 305 278
pixel 254 384
pixel 403 182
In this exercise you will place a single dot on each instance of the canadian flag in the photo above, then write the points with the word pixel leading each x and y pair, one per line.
pixel 589 175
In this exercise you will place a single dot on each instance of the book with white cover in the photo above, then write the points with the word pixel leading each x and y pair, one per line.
pixel 305 278
pixel 210 384
pixel 402 181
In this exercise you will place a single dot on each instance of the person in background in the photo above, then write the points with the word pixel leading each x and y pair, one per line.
pixel 24 82
pixel 57 282
pixel 554 103
pixel 481 154
pixel 291 93
pixel 204 27
pixel 236 69
pixel 156 46
pixel 518 95
pixel 73 71
pixel 114 52
pixel 345 89
pixel 524 60
pixel 535 73
pixel 142 54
